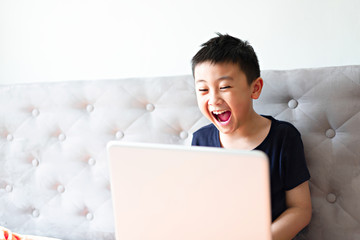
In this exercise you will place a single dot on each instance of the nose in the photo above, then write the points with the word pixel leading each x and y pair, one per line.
pixel 214 99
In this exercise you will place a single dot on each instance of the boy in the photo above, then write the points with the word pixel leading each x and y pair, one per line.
pixel 227 79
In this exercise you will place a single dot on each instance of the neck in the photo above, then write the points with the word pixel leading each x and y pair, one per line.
pixel 248 135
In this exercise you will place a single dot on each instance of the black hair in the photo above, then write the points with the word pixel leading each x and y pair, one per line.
pixel 225 48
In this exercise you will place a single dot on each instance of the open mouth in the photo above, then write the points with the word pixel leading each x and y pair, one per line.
pixel 222 117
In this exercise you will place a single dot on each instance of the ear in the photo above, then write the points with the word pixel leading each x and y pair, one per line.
pixel 256 88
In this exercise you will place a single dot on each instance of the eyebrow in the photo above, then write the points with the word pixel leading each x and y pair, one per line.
pixel 222 78
pixel 225 78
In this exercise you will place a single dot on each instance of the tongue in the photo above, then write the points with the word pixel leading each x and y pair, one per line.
pixel 224 116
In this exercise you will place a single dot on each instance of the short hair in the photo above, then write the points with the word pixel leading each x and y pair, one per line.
pixel 225 48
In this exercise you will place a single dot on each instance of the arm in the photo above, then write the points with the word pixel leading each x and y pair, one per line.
pixel 296 216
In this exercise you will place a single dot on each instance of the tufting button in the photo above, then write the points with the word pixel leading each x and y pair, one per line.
pixel 35 162
pixel 61 189
pixel 35 213
pixel 150 107
pixel 183 135
pixel 119 135
pixel 293 103
pixel 62 137
pixel 91 161
pixel 35 112
pixel 89 216
pixel 8 188
pixel 89 108
pixel 10 137
pixel 330 133
pixel 331 198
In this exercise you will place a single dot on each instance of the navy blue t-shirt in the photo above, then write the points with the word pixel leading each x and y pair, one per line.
pixel 283 146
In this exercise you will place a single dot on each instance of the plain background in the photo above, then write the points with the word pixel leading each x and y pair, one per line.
pixel 61 40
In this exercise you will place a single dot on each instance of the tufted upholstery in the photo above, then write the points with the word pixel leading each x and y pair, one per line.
pixel 53 174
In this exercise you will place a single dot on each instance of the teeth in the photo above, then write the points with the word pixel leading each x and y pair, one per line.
pixel 218 112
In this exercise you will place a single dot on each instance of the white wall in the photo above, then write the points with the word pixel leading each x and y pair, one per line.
pixel 55 40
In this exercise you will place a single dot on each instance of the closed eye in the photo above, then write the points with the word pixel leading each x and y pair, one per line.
pixel 226 87
pixel 203 90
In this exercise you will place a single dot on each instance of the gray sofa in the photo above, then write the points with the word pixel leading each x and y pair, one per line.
pixel 54 177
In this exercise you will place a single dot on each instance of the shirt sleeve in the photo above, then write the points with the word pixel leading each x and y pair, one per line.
pixel 195 141
pixel 294 170
pixel 206 136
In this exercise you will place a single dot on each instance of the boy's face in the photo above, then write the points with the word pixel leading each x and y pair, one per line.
pixel 223 95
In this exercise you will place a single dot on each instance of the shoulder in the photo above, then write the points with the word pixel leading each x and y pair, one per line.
pixel 205 130
pixel 205 136
pixel 285 150
pixel 282 135
pixel 283 128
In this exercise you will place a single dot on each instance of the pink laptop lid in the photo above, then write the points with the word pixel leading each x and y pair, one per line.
pixel 167 192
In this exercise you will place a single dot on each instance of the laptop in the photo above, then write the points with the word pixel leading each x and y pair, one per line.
pixel 170 192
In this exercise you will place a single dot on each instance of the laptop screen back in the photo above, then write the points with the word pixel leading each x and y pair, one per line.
pixel 163 192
